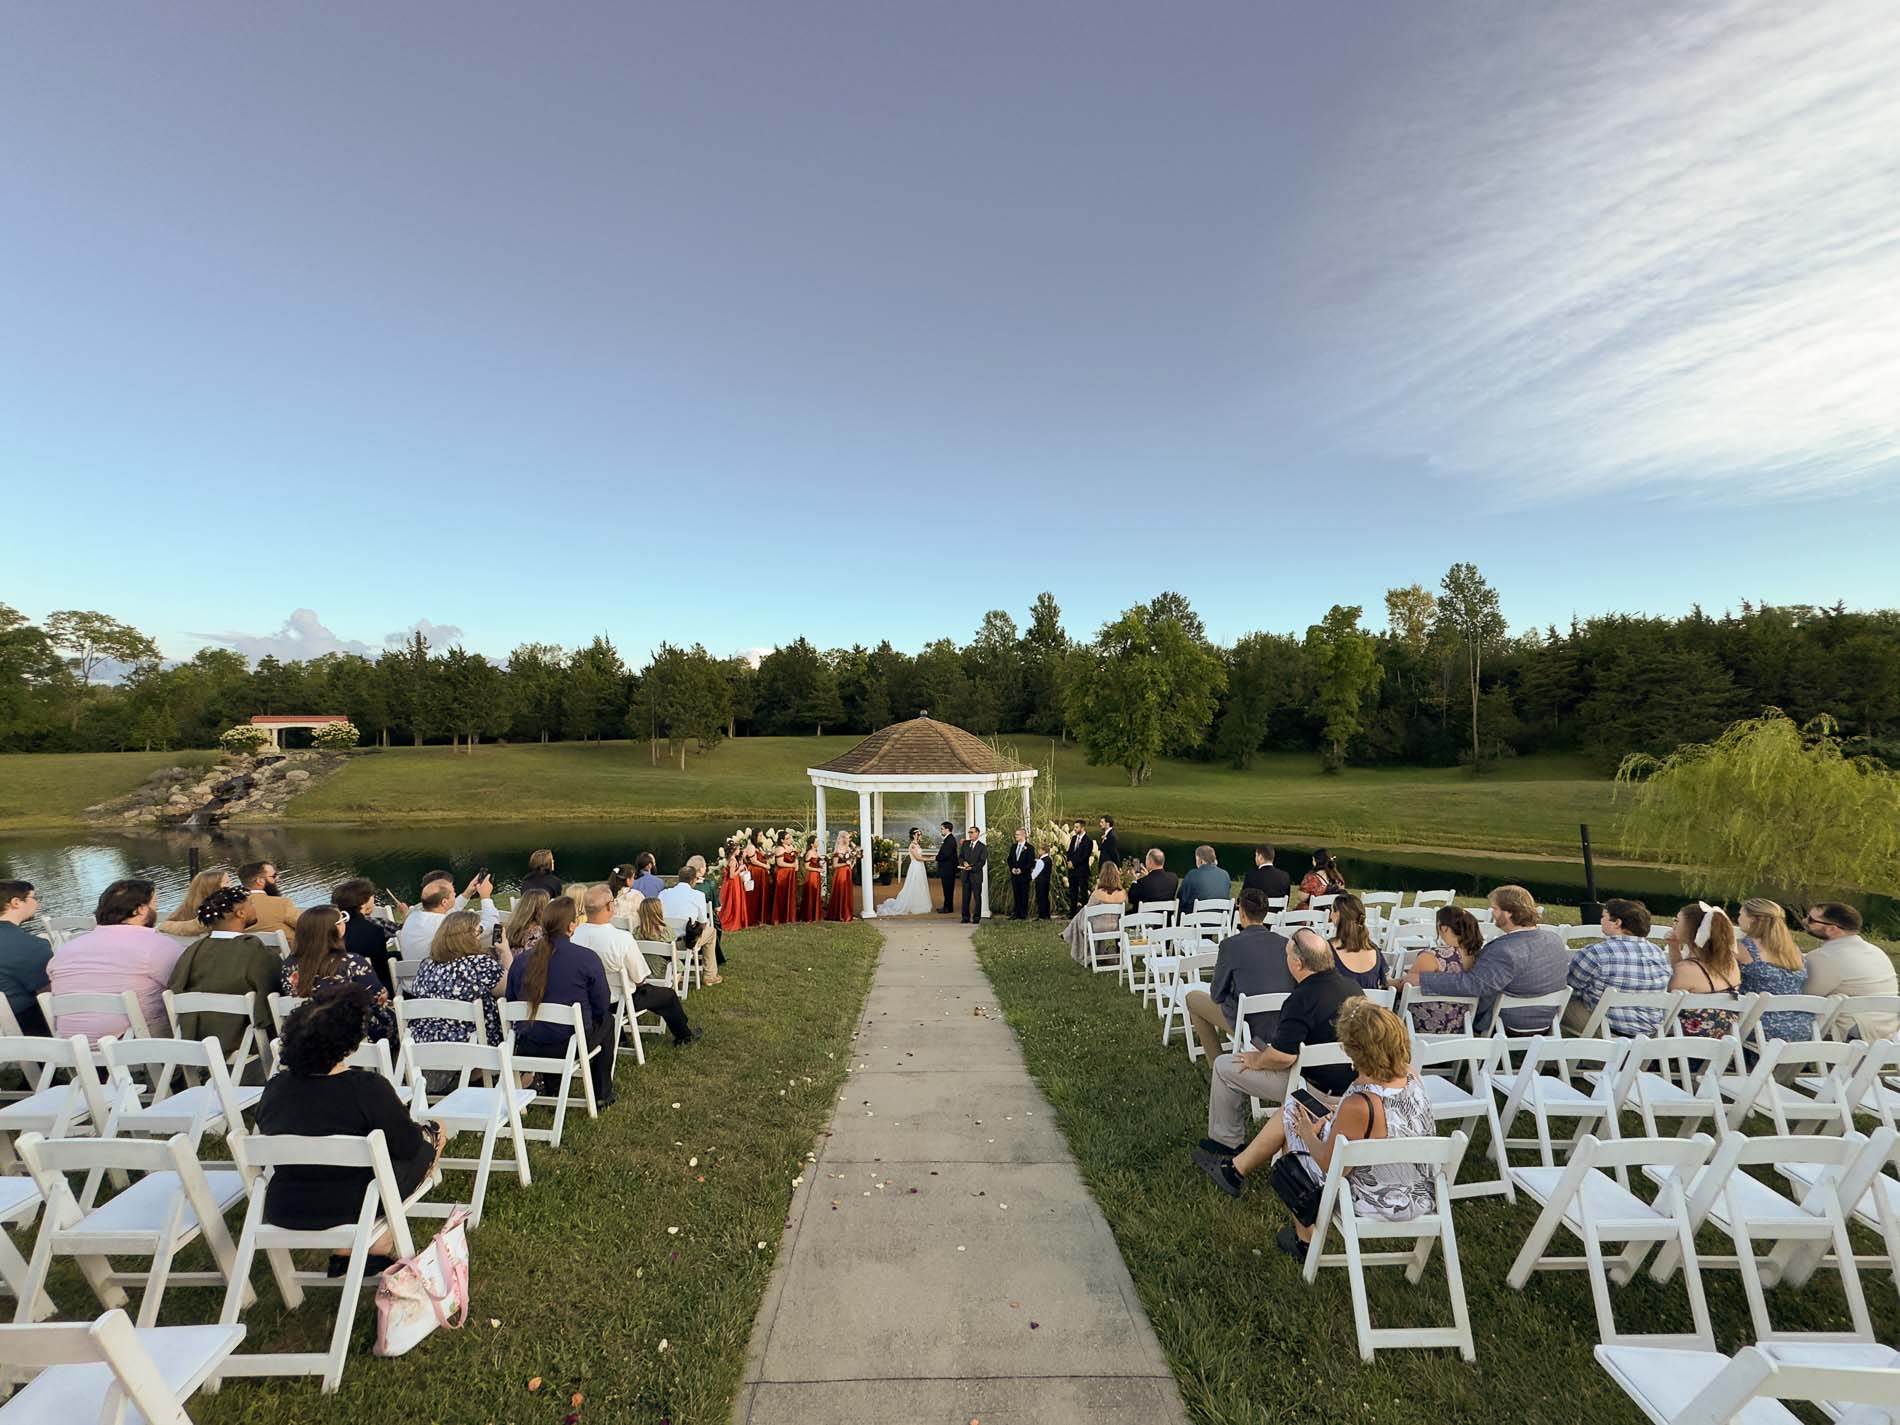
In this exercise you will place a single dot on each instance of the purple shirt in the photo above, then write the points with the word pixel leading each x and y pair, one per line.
pixel 110 959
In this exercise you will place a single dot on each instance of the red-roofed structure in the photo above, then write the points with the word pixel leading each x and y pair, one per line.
pixel 277 723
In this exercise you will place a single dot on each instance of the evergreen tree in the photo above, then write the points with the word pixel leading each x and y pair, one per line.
pixel 1346 671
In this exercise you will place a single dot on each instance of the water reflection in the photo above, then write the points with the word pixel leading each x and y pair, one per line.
pixel 72 868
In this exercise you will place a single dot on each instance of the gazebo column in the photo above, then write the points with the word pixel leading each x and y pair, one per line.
pixel 824 845
pixel 864 821
pixel 877 813
pixel 1028 826
pixel 976 818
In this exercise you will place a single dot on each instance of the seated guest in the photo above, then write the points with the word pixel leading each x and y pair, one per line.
pixel 461 966
pixel 1460 942
pixel 1846 964
pixel 685 904
pixel 1325 879
pixel 1267 878
pixel 183 921
pixel 319 1096
pixel 626 898
pixel 123 952
pixel 1206 882
pixel 1625 959
pixel 1357 956
pixel 319 961
pixel 706 884
pixel 1701 947
pixel 274 910
pixel 1157 884
pixel 1772 965
pixel 646 880
pixel 438 899
pixel 1262 1072
pixel 1251 961
pixel 1108 891
pixel 524 921
pixel 23 957
pixel 1525 960
pixel 541 875
pixel 364 934
pixel 228 960
pixel 620 956
pixel 557 971
pixel 1384 1100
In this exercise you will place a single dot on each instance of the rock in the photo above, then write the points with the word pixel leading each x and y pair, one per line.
pixel 297 776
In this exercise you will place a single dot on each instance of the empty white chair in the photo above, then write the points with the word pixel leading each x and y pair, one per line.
pixel 1575 935
pixel 1385 902
pixel 1384 998
pixel 1869 1191
pixel 1433 900
pixel 1582 1089
pixel 67 1093
pixel 1598 1210
pixel 470 1107
pixel 383 1209
pixel 89 1371
pixel 19 1205
pixel 1703 1388
pixel 1874 1085
pixel 1320 904
pixel 1161 958
pixel 1680 1079
pixel 1453 1103
pixel 1801 1234
pixel 170 1206
pixel 1210 922
pixel 1191 972
pixel 1440 1157
pixel 1819 1098
pixel 573 1060
pixel 215 1104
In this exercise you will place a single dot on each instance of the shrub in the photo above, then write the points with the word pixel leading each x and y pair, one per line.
pixel 335 736
pixel 243 738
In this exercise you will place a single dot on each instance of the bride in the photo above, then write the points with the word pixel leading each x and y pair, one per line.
pixel 914 898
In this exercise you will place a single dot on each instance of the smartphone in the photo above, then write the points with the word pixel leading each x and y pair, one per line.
pixel 482 874
pixel 1312 1103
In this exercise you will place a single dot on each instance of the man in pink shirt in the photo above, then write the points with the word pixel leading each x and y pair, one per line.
pixel 123 953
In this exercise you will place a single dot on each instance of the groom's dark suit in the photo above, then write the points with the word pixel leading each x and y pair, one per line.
pixel 975 866
pixel 947 870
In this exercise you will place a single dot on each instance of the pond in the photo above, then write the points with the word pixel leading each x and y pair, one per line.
pixel 71 868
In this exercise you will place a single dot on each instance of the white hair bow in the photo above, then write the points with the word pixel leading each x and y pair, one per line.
pixel 1702 931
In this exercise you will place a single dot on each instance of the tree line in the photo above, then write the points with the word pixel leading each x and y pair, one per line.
pixel 1440 681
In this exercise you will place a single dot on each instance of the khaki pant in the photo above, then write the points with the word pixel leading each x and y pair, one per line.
pixel 1228 1118
pixel 1210 1026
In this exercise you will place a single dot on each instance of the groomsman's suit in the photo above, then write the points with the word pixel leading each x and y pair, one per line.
pixel 974 863
pixel 1022 860
pixel 1081 849
pixel 1111 848
pixel 947 869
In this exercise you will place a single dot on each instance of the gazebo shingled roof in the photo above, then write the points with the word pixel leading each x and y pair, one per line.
pixel 921 748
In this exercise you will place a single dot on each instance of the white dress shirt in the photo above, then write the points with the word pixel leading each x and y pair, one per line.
pixel 617 951
pixel 417 932
pixel 683 902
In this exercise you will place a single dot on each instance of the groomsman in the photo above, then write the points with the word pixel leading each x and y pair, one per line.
pixel 947 865
pixel 1022 860
pixel 1039 876
pixel 1111 849
pixel 1081 850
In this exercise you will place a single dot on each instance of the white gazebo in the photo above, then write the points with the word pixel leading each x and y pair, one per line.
pixel 918 756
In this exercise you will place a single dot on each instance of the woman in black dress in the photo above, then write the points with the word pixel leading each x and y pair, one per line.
pixel 318 1095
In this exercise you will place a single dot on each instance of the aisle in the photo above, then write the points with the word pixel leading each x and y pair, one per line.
pixel 944 1261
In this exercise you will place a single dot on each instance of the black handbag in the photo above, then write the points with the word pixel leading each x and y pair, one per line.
pixel 1294 1186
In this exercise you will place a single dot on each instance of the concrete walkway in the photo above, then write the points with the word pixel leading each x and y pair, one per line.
pixel 944 1261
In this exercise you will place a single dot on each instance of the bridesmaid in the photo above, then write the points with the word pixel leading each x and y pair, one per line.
pixel 839 907
pixel 760 894
pixel 784 881
pixel 811 904
pixel 732 893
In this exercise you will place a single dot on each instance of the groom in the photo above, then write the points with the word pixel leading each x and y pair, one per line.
pixel 974 864
pixel 947 865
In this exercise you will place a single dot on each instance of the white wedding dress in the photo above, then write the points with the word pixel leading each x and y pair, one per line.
pixel 914 897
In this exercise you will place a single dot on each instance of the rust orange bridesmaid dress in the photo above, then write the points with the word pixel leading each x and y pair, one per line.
pixel 784 887
pixel 733 900
pixel 812 907
pixel 839 907
pixel 761 893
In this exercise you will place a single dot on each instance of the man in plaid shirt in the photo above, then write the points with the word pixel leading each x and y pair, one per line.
pixel 1623 960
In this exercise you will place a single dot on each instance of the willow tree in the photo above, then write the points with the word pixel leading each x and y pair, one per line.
pixel 1767 807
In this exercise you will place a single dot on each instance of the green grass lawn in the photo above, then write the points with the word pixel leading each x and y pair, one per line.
pixel 53 789
pixel 576 1279
pixel 1249 1342
pixel 1533 804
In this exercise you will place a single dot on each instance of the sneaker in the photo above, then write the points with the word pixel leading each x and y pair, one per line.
pixel 1289 1242
pixel 1220 1170
pixel 693 1038
pixel 1214 1145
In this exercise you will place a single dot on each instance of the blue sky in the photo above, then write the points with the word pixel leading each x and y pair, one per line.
pixel 729 322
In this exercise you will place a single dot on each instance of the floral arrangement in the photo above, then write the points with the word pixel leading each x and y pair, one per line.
pixel 243 738
pixel 336 736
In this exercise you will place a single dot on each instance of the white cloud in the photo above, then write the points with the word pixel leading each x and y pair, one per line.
pixel 1647 247
pixel 303 635
pixel 440 635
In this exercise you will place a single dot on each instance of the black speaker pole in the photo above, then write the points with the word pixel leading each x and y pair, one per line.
pixel 1590 910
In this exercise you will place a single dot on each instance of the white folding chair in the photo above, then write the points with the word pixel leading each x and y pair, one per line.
pixel 470 1107
pixel 61 928
pixel 1820 1009
pixel 1187 977
pixel 281 1008
pixel 1558 1095
pixel 1747 1008
pixel 1531 1006
pixel 1242 1041
pixel 1315 1056
pixel 1320 904
pixel 1850 1019
pixel 19 1205
pixel 1385 998
pixel 170 1206
pixel 1680 1079
pixel 1869 1191
pixel 216 1103
pixel 57 1107
pixel 1704 1388
pixel 1433 900
pixel 1166 947
pixel 383 1209
pixel 237 1006
pixel 1411 921
pixel 404 972
pixel 573 1060
pixel 1575 935
pixel 1385 902
pixel 125 1004
pixel 1453 1103
pixel 1413 997
pixel 1810 1088
pixel 1596 1209
pixel 93 1370
pixel 1210 922
pixel 1440 1157
pixel 1101 926
pixel 1803 1233
pixel 1402 951
pixel 1874 1085
pixel 1639 1012
pixel 1137 926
